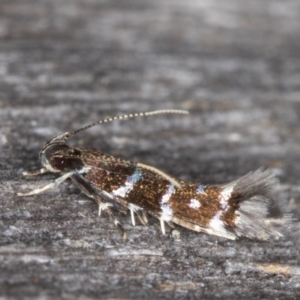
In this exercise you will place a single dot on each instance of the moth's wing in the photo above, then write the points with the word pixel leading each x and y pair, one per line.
pixel 95 193
pixel 99 160
pixel 95 159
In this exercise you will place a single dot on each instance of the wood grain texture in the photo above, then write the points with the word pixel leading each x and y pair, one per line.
pixel 234 65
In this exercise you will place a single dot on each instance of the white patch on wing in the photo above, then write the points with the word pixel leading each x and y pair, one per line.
pixel 226 193
pixel 215 222
pixel 194 203
pixel 166 209
pixel 122 191
pixel 216 226
pixel 225 196
pixel 224 203
pixel 84 170
pixel 167 212
pixel 166 197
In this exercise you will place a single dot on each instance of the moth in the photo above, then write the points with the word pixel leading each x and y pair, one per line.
pixel 236 209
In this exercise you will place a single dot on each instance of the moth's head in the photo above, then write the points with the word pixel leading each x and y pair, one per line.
pixel 53 154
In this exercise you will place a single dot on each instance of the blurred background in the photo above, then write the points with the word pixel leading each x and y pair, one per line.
pixel 235 65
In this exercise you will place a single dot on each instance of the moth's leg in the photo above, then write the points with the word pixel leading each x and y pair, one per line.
pixel 132 216
pixel 117 223
pixel 35 172
pixel 52 184
pixel 171 224
pixel 142 217
pixel 90 192
pixel 103 206
pixel 133 209
pixel 162 226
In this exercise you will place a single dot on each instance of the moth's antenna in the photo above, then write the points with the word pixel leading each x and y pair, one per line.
pixel 141 114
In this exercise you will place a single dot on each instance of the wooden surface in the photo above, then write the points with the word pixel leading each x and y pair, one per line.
pixel 235 65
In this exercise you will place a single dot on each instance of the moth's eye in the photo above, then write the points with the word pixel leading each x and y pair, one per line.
pixel 60 163
pixel 74 151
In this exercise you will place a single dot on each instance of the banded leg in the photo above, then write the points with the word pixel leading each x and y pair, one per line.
pixel 51 185
pixel 171 224
pixel 117 223
pixel 134 209
pixel 35 172
pixel 162 225
pixel 103 206
pixel 89 190
pixel 142 217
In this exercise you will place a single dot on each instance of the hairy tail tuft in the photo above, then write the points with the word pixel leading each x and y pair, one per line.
pixel 252 194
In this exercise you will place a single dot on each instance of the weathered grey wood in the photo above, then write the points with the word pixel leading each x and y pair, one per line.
pixel 234 64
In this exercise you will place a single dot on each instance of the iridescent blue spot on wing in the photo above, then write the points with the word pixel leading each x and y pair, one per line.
pixel 135 177
pixel 200 189
pixel 123 190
